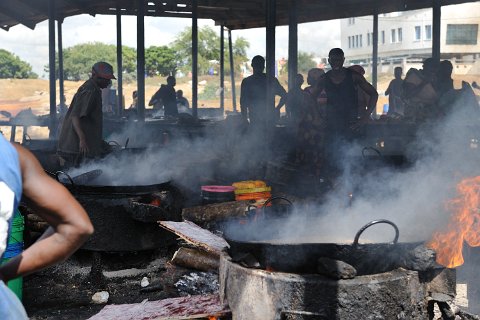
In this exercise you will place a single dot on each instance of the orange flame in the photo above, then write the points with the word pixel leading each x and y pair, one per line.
pixel 464 225
pixel 156 202
pixel 212 318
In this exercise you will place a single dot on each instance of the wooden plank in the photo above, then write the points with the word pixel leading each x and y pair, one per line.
pixel 195 235
pixel 191 307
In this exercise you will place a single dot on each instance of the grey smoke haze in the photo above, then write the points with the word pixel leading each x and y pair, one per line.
pixel 413 198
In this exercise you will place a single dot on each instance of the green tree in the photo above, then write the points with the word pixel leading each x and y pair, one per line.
pixel 239 48
pixel 208 50
pixel 160 60
pixel 11 66
pixel 305 62
pixel 79 59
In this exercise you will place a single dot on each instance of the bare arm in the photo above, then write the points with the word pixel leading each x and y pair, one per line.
pixel 83 147
pixel 370 90
pixel 70 225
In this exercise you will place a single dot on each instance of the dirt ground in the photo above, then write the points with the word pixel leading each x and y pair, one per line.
pixel 64 291
pixel 18 94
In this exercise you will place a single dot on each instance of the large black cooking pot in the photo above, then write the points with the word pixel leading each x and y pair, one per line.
pixel 370 258
pixel 113 212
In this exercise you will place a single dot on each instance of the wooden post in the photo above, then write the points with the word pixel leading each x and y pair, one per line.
pixel 60 65
pixel 436 23
pixel 120 105
pixel 222 68
pixel 141 60
pixel 195 58
pixel 51 68
pixel 232 71
pixel 292 44
pixel 375 51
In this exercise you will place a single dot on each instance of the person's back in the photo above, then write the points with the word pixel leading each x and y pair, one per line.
pixel 21 176
pixel 167 97
pixel 395 93
pixel 10 194
pixel 295 100
pixel 253 98
pixel 182 103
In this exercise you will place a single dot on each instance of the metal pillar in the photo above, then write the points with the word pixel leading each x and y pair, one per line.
pixel 222 68
pixel 195 58
pixel 270 58
pixel 292 44
pixel 120 104
pixel 51 68
pixel 232 70
pixel 375 51
pixel 437 14
pixel 61 88
pixel 141 60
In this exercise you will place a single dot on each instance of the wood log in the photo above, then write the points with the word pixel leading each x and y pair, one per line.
pixel 215 211
pixel 196 259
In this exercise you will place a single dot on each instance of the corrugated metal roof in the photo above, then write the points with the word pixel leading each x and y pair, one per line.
pixel 233 14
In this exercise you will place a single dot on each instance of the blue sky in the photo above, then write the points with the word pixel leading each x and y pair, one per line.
pixel 32 45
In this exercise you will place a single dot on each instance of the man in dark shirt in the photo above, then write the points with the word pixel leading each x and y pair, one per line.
pixel 167 97
pixel 342 107
pixel 253 99
pixel 81 134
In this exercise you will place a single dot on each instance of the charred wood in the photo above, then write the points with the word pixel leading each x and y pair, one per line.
pixel 196 259
pixel 215 211
pixel 335 269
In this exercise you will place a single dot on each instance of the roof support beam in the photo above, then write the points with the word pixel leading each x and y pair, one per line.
pixel 141 60
pixel 292 45
pixel 51 68
pixel 270 61
pixel 436 23
pixel 119 65
pixel 195 58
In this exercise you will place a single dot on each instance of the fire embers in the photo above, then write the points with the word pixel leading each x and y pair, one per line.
pixel 464 225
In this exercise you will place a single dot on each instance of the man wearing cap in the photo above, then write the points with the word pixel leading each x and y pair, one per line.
pixel 81 134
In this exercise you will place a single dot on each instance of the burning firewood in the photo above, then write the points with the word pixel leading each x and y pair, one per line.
pixel 196 259
pixel 215 211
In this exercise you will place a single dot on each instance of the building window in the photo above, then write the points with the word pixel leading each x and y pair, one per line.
pixel 418 33
pixel 462 33
pixel 428 32
pixel 351 21
pixel 393 38
pixel 361 41
pixel 400 35
pixel 368 39
pixel 383 37
pixel 356 41
pixel 349 42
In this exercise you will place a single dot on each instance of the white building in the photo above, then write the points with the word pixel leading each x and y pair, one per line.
pixel 408 35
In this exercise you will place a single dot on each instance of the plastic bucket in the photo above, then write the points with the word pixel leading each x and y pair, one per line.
pixel 14 248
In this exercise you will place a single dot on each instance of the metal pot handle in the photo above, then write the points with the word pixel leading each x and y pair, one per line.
pixel 275 198
pixel 371 148
pixel 371 223
pixel 59 173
